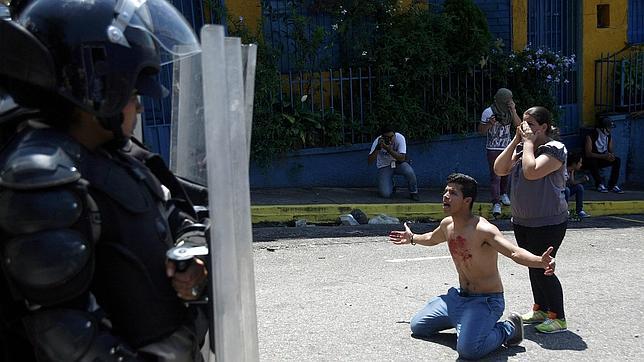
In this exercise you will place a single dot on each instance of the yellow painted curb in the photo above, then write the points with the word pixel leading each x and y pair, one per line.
pixel 602 208
pixel 327 213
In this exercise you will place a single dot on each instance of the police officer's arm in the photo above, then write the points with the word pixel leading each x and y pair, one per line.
pixel 47 246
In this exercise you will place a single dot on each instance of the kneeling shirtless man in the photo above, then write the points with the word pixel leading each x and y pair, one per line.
pixel 475 308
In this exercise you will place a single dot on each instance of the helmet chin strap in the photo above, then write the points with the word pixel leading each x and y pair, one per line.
pixel 113 124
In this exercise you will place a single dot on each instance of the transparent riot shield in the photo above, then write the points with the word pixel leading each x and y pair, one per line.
pixel 212 113
pixel 187 143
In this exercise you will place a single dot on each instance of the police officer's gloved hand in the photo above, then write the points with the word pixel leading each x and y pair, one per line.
pixel 188 258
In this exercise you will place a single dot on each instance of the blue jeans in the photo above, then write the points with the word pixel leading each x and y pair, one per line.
pixel 475 317
pixel 498 184
pixel 577 190
pixel 386 178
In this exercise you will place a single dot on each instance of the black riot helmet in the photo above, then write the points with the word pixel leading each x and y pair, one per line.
pixel 93 53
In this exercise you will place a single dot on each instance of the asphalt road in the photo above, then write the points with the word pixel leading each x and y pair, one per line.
pixel 347 294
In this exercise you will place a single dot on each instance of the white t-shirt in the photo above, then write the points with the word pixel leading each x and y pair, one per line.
pixel 498 136
pixel 602 141
pixel 384 159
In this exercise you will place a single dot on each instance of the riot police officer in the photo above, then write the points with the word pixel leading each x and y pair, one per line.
pixel 84 226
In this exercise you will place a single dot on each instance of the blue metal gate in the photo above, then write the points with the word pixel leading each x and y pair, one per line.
pixel 635 21
pixel 554 24
pixel 157 115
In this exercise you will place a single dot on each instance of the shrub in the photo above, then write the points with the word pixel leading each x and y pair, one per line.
pixel 533 75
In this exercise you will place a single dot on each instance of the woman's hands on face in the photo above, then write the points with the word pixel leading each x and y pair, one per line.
pixel 526 132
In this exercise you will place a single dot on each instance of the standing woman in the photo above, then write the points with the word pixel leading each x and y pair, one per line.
pixel 536 164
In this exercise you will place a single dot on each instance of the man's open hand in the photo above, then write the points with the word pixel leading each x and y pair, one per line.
pixel 548 262
pixel 401 237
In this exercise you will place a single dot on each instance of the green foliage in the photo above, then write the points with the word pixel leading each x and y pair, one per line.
pixel 308 42
pixel 408 48
pixel 277 126
pixel 412 46
pixel 532 74
pixel 468 38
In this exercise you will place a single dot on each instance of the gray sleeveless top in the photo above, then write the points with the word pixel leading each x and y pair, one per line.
pixel 540 202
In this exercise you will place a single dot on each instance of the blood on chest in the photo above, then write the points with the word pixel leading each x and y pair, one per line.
pixel 459 249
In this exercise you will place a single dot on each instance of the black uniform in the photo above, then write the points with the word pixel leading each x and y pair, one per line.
pixel 76 222
pixel 83 234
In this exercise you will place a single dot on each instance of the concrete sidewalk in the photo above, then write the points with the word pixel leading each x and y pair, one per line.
pixel 326 204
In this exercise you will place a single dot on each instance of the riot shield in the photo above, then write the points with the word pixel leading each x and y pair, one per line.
pixel 212 112
pixel 187 141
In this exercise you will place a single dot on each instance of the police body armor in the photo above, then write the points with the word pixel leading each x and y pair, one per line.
pixel 73 223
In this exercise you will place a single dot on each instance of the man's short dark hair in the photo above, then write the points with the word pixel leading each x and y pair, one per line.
pixel 467 183
pixel 386 128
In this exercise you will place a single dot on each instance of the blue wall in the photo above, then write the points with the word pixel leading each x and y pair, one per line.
pixel 347 166
pixel 635 162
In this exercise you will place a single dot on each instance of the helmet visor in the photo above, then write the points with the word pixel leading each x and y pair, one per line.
pixel 161 21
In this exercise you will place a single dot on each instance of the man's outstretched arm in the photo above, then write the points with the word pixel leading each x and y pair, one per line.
pixel 407 237
pixel 520 255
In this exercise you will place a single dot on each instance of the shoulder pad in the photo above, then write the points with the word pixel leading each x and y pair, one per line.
pixel 49 267
pixel 37 159
pixel 23 212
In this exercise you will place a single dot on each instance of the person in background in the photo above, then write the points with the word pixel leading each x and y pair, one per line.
pixel 474 308
pixel 496 123
pixel 599 154
pixel 536 163
pixel 389 151
pixel 574 184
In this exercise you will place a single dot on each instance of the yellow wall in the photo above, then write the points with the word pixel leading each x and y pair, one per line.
pixel 596 41
pixel 519 24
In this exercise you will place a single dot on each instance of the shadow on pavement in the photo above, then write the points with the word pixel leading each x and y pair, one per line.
pixel 449 340
pixel 445 339
pixel 561 341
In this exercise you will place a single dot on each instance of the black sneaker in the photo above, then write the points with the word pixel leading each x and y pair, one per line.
pixel 516 337
pixel 414 197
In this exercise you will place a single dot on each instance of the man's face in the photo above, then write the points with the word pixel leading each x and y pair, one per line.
pixel 387 137
pixel 453 200
pixel 130 112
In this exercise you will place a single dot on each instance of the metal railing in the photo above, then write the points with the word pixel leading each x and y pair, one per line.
pixel 351 94
pixel 619 81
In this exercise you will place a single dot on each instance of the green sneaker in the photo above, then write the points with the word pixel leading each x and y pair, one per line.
pixel 552 326
pixel 534 316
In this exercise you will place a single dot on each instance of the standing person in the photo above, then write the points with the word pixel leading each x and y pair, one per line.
pixel 389 150
pixel 475 308
pixel 537 164
pixel 496 122
pixel 574 184
pixel 599 154
pixel 84 226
